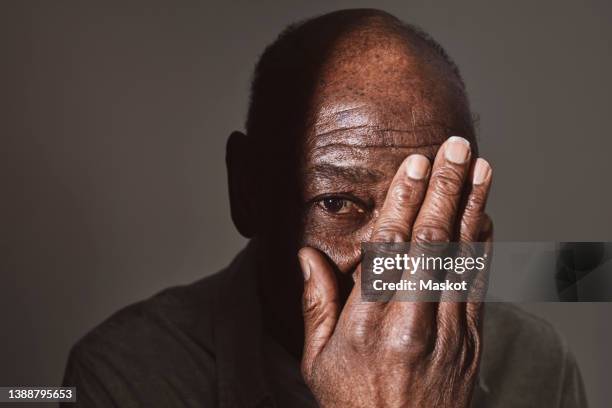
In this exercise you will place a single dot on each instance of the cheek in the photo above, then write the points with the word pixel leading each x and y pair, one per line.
pixel 342 248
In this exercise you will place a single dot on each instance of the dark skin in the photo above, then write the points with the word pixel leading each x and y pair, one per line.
pixel 376 164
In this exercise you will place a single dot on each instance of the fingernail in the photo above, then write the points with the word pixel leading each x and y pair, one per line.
pixel 305 267
pixel 417 166
pixel 482 169
pixel 457 150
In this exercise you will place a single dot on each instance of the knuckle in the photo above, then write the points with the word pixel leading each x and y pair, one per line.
pixel 318 313
pixel 430 232
pixel 409 345
pixel 468 234
pixel 475 203
pixel 404 195
pixel 448 181
pixel 360 338
pixel 312 305
pixel 391 231
pixel 414 339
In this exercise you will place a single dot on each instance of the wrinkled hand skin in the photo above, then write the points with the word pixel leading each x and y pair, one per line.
pixel 402 354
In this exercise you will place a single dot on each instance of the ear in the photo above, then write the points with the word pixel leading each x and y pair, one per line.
pixel 239 171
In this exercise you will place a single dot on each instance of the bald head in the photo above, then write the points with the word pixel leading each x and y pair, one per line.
pixel 354 57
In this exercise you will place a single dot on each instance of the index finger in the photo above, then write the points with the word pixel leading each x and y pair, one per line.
pixel 394 224
pixel 434 224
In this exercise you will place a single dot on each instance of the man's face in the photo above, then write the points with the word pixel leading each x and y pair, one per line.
pixel 372 111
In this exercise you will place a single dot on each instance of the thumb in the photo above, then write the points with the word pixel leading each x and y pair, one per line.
pixel 319 304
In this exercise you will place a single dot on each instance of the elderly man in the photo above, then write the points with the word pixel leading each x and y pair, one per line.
pixel 359 129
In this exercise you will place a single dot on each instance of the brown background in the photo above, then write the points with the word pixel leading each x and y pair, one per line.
pixel 115 116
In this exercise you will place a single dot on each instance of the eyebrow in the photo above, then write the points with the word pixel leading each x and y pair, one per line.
pixel 352 174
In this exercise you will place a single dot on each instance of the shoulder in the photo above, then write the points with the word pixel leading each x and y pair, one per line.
pixel 523 353
pixel 182 310
pixel 160 344
pixel 507 325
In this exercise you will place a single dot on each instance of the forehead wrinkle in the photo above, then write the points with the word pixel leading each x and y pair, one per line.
pixel 342 115
pixel 376 123
pixel 354 174
pixel 372 137
pixel 375 128
pixel 374 157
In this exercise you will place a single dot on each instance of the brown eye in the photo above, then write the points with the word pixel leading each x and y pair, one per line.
pixel 338 205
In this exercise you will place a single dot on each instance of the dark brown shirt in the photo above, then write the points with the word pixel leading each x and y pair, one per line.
pixel 202 345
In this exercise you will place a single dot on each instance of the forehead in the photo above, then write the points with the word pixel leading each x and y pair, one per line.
pixel 382 94
pixel 370 124
pixel 373 131
pixel 365 135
